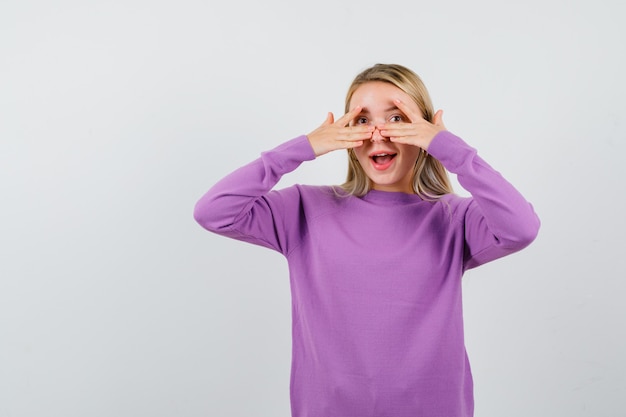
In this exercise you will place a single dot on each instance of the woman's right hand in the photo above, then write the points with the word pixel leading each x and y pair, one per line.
pixel 333 135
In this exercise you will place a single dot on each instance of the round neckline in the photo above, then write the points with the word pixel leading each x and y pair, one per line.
pixel 391 197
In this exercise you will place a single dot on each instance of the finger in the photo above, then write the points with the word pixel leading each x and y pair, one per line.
pixel 330 119
pixel 401 132
pixel 438 119
pixel 355 144
pixel 352 144
pixel 347 118
pixel 356 133
pixel 391 129
pixel 407 110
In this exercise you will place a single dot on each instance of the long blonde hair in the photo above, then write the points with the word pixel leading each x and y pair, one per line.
pixel 430 178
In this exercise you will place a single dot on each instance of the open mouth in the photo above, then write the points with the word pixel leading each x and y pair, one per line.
pixel 383 158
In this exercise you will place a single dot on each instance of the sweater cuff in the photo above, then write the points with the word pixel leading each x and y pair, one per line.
pixel 450 150
pixel 302 147
pixel 288 155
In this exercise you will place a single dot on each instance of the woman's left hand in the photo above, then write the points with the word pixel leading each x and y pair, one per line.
pixel 417 131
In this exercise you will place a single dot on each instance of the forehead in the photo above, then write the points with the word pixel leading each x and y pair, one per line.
pixel 374 95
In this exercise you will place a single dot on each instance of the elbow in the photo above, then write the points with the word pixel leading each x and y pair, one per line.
pixel 200 215
pixel 524 235
pixel 205 215
pixel 528 237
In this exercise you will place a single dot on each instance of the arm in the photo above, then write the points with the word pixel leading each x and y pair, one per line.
pixel 243 206
pixel 498 220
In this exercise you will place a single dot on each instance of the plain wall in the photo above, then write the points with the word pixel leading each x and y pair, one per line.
pixel 116 116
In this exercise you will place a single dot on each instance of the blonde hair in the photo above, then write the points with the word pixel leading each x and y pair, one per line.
pixel 430 178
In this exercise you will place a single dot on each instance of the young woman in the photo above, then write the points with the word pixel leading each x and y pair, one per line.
pixel 376 263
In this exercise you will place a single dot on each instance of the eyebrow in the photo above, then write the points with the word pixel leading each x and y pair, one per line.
pixel 387 110
pixel 364 110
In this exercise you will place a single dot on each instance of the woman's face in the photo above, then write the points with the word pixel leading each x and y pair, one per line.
pixel 388 165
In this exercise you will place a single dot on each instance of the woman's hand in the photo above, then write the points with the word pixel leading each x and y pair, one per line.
pixel 417 131
pixel 333 135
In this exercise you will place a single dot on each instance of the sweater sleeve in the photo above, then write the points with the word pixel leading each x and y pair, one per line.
pixel 243 206
pixel 498 220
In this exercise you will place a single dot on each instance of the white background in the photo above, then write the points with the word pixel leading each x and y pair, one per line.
pixel 116 116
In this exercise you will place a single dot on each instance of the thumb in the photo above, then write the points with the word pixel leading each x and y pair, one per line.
pixel 438 118
pixel 330 119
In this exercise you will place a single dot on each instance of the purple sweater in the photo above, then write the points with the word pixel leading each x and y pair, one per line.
pixel 375 280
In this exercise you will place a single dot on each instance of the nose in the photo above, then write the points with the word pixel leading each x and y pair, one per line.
pixel 377 137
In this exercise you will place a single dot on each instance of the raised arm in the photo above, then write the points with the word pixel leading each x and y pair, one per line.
pixel 498 220
pixel 243 206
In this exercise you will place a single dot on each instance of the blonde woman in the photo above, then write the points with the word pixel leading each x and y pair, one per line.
pixel 376 263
